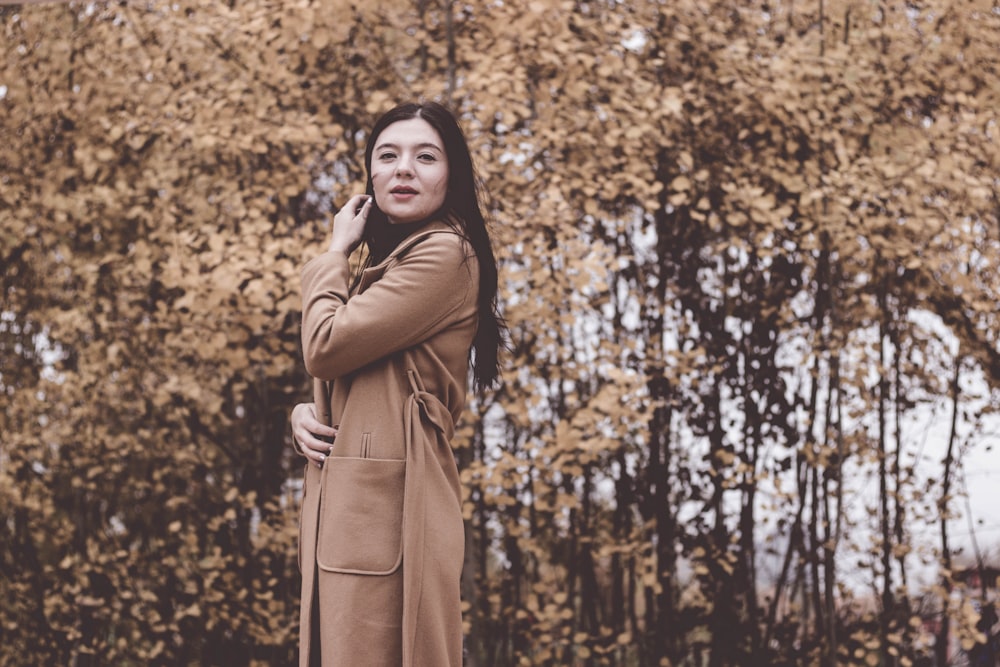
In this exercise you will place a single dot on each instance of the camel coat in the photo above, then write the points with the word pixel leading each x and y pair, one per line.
pixel 381 534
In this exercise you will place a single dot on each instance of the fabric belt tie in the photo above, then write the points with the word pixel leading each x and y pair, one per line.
pixel 420 406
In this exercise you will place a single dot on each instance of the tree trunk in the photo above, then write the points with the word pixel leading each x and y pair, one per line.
pixel 944 631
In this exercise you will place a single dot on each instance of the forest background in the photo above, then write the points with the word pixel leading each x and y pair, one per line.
pixel 749 262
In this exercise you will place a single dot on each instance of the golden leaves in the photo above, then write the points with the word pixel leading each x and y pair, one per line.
pixel 650 207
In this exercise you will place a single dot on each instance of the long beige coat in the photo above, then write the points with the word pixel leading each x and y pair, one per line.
pixel 381 534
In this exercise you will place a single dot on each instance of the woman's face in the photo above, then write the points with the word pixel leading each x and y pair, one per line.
pixel 409 171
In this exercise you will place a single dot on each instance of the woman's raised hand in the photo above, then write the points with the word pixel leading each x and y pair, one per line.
pixel 349 224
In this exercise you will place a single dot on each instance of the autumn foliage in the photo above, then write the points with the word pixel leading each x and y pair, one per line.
pixel 745 247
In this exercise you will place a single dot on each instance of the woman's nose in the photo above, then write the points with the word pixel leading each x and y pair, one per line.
pixel 404 166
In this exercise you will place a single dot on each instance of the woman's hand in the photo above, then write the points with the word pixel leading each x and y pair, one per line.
pixel 349 224
pixel 307 431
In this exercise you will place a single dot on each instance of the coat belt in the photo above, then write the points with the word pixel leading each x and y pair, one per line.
pixel 419 444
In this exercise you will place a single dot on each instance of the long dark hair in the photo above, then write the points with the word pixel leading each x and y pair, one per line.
pixel 462 207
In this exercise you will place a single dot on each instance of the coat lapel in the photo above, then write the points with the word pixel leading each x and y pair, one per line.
pixel 372 274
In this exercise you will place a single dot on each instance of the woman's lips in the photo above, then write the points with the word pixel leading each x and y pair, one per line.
pixel 403 193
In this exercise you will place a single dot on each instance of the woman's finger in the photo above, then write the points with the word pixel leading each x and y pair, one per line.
pixel 312 437
pixel 359 205
pixel 314 449
pixel 349 224
pixel 356 209
pixel 314 446
pixel 311 424
pixel 317 441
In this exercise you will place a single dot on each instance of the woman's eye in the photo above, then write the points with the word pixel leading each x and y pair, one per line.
pixel 386 156
pixel 426 157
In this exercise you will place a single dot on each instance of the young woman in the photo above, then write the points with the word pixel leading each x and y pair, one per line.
pixel 381 536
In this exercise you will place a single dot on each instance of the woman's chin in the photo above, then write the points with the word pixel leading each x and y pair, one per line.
pixel 399 221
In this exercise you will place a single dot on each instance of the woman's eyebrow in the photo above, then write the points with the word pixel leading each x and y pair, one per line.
pixel 426 144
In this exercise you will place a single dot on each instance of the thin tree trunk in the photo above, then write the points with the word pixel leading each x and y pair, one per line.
pixel 941 643
pixel 833 522
pixel 899 507
pixel 449 17
pixel 591 614
pixel 661 643
pixel 795 546
pixel 838 469
pixel 723 628
pixel 664 613
pixel 883 477
pixel 620 605
pixel 815 549
pixel 749 552
pixel 474 568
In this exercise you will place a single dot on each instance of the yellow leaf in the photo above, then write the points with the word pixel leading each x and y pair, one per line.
pixel 680 184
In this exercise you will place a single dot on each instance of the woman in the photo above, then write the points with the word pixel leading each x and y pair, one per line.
pixel 381 535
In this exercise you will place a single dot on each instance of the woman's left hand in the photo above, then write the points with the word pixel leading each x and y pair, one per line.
pixel 309 432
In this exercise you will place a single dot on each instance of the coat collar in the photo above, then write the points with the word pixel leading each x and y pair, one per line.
pixel 447 225
pixel 373 273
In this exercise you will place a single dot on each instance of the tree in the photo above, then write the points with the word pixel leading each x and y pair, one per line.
pixel 729 237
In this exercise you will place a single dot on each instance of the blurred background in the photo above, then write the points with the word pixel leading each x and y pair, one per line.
pixel 749 259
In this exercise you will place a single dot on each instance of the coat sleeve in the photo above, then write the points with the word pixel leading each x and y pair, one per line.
pixel 419 295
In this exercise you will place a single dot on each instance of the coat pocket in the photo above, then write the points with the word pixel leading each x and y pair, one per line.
pixel 361 516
